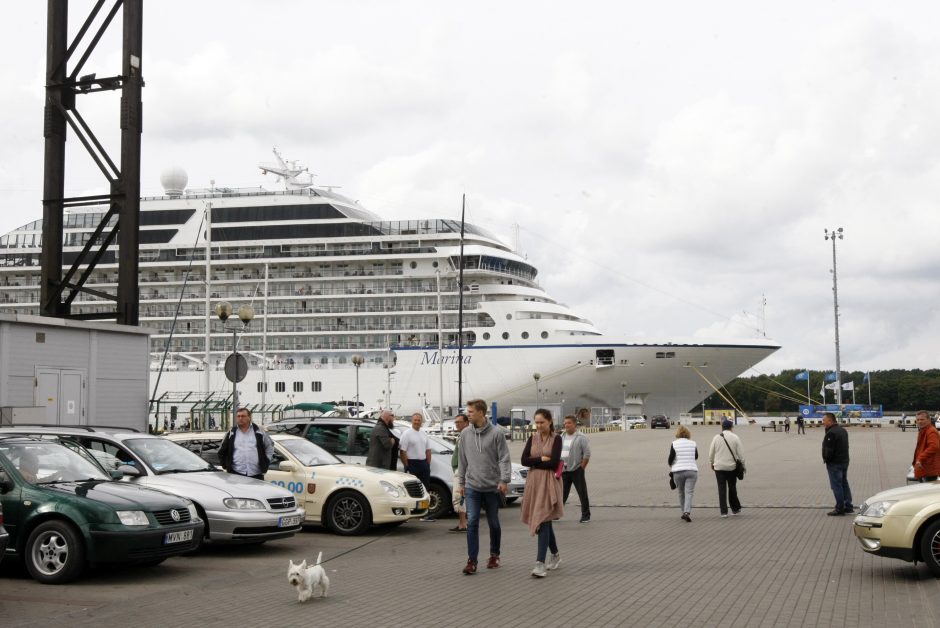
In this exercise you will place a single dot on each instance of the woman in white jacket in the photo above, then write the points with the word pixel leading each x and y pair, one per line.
pixel 682 456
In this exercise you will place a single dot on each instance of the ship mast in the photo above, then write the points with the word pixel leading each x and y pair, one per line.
pixel 463 209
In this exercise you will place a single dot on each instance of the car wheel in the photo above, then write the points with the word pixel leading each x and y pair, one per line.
pixel 348 513
pixel 55 553
pixel 439 504
pixel 930 548
pixel 510 500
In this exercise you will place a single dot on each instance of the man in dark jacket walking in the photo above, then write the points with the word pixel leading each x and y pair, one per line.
pixel 383 444
pixel 246 449
pixel 835 453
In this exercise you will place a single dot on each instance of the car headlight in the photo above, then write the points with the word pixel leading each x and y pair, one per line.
pixel 515 476
pixel 390 488
pixel 133 517
pixel 240 503
pixel 877 509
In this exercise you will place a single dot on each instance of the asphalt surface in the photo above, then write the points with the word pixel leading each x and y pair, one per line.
pixel 782 562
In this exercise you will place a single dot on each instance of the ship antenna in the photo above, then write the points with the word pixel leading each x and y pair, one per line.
pixel 463 209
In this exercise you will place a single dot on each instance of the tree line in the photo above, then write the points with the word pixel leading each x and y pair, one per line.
pixel 897 390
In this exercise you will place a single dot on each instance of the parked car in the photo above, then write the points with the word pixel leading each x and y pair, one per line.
pixel 4 535
pixel 235 509
pixel 633 421
pixel 63 512
pixel 348 439
pixel 346 498
pixel 659 420
pixel 902 523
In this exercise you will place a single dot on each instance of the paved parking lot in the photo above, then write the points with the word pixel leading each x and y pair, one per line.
pixel 783 562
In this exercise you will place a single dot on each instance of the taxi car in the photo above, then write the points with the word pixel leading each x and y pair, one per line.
pixel 903 523
pixel 346 498
pixel 63 512
pixel 236 509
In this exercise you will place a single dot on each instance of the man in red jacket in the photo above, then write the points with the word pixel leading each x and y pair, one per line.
pixel 927 452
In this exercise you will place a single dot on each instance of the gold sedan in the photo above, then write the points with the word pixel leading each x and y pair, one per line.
pixel 903 523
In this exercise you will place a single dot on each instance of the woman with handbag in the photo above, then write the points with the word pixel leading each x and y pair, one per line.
pixel 542 501
pixel 682 456
pixel 725 456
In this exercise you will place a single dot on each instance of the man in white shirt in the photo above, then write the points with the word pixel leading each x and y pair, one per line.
pixel 576 452
pixel 415 453
pixel 246 449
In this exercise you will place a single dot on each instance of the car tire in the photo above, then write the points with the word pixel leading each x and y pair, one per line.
pixel 439 500
pixel 930 548
pixel 348 514
pixel 55 553
pixel 510 500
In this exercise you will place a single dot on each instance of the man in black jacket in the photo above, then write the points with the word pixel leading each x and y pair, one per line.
pixel 835 453
pixel 246 448
pixel 383 444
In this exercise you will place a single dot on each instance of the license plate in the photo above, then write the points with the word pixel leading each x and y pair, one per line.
pixel 288 522
pixel 421 505
pixel 178 537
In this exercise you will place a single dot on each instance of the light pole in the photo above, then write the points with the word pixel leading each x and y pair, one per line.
pixel 536 377
pixel 836 235
pixel 236 366
pixel 357 361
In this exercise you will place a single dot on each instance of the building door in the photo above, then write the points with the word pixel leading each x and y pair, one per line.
pixel 62 393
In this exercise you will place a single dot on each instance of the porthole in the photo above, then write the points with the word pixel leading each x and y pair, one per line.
pixel 486 335
pixel 544 334
pixel 413 264
pixel 434 264
pixel 505 335
pixel 525 335
pixel 509 317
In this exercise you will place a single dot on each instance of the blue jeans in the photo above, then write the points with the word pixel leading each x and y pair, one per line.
pixel 546 541
pixel 475 500
pixel 685 486
pixel 839 483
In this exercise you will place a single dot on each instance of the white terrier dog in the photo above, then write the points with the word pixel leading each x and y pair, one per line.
pixel 308 579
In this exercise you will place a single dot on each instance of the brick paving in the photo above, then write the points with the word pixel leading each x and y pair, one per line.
pixel 783 562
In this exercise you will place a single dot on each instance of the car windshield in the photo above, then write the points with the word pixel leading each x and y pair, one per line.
pixel 44 462
pixel 307 453
pixel 164 456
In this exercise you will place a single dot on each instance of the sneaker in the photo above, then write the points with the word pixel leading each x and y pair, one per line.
pixel 848 509
pixel 456 529
pixel 471 567
pixel 835 513
pixel 553 561
pixel 585 519
pixel 428 518
pixel 736 512
pixel 493 562
pixel 686 517
pixel 724 515
pixel 539 571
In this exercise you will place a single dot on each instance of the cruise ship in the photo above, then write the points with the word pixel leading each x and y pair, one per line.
pixel 350 306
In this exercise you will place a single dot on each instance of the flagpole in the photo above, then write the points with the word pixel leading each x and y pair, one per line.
pixel 868 377
pixel 808 400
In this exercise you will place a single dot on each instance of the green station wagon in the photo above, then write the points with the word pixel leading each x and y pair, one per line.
pixel 63 513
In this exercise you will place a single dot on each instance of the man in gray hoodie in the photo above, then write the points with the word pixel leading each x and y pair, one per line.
pixel 483 472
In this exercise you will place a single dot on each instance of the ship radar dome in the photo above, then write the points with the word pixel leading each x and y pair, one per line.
pixel 174 181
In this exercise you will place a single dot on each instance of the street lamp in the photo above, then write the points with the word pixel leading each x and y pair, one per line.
pixel 236 366
pixel 836 235
pixel 536 377
pixel 357 361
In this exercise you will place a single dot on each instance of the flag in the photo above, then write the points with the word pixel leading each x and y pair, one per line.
pixel 866 380
pixel 832 386
pixel 802 377
pixel 848 386
pixel 831 377
pixel 822 391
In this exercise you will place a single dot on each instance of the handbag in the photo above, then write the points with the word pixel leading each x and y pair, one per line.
pixel 738 464
pixel 560 469
pixel 672 482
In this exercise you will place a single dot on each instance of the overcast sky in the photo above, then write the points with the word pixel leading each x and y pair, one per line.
pixel 669 165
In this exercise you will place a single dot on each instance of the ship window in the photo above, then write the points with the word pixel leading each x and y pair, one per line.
pixel 665 354
pixel 544 334
pixel 279 387
pixel 324 360
pixel 525 335
pixel 316 386
pixel 298 386
pixel 505 335
pixel 486 335
pixel 434 264
pixel 262 387
pixel 509 317
pixel 413 264
pixel 605 356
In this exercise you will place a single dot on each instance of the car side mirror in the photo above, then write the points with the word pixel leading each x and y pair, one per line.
pixel 6 484
pixel 116 474
pixel 286 466
pixel 129 470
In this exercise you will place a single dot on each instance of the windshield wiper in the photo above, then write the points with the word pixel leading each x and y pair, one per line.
pixel 163 471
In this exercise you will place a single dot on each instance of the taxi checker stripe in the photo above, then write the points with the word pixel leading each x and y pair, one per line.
pixel 345 481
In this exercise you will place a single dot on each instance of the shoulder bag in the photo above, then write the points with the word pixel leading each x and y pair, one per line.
pixel 738 464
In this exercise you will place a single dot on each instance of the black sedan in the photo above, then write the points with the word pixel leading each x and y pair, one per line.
pixel 63 512
pixel 659 420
